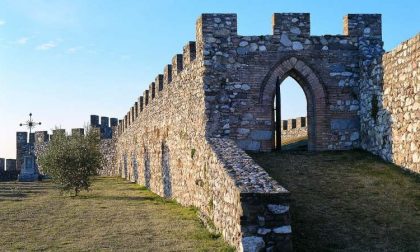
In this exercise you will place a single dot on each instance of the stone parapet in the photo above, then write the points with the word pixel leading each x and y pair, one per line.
pixel 294 129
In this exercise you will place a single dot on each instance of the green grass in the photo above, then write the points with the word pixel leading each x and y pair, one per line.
pixel 347 201
pixel 114 216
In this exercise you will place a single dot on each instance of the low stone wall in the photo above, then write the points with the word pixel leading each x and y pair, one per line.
pixel 262 209
pixel 8 170
pixel 391 118
pixel 8 175
pixel 292 134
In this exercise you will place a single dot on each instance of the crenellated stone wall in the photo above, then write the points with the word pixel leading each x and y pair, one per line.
pixel 292 129
pixel 390 95
pixel 40 139
pixel 167 147
pixel 108 150
pixel 8 170
pixel 185 137
pixel 242 73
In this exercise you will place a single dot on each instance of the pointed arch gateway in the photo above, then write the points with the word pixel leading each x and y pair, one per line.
pixel 315 96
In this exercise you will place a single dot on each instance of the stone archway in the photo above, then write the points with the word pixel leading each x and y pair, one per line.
pixel 314 91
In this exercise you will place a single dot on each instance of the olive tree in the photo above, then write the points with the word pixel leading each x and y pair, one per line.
pixel 70 161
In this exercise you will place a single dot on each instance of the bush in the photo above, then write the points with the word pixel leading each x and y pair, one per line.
pixel 71 160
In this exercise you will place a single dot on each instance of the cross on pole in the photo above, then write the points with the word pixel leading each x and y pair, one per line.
pixel 30 124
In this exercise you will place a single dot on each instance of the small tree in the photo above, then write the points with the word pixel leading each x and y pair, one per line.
pixel 71 160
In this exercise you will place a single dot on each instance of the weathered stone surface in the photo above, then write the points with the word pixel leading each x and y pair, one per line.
pixel 261 134
pixel 187 142
pixel 284 39
pixel 278 209
pixel 253 244
pixel 294 129
pixel 263 231
pixel 283 230
pixel 342 124
pixel 390 114
pixel 296 45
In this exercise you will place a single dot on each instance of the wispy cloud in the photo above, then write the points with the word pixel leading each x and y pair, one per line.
pixel 22 40
pixel 47 46
pixel 2 22
pixel 72 50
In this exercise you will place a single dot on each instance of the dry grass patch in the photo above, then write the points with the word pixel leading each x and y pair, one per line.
pixel 114 216
pixel 349 201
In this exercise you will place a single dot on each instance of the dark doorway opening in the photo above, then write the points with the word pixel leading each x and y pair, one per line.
pixel 290 115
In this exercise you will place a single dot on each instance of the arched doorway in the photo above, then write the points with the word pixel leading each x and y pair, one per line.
pixel 289 116
pixel 315 96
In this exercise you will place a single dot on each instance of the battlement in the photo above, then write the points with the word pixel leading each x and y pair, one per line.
pixel 41 137
pixel 78 132
pixel 297 24
pixel 294 123
pixel 177 64
pixel 363 25
pixel 159 82
pixel 2 164
pixel 152 90
pixel 10 164
pixel 8 170
pixel 105 127
pixel 167 74
pixel 132 114
pixel 136 109
pixel 216 25
pixel 189 52
pixel 141 103
pixel 216 36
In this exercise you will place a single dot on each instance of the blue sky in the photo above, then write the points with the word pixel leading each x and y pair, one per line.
pixel 64 60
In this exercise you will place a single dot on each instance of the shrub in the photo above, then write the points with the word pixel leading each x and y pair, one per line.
pixel 71 160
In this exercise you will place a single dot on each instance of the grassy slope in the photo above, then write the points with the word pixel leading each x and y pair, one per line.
pixel 115 215
pixel 348 201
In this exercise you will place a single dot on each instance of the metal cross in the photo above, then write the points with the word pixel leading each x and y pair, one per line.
pixel 30 124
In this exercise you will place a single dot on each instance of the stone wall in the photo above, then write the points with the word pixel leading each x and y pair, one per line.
pixel 183 137
pixel 22 147
pixel 107 144
pixel 242 74
pixel 108 150
pixel 391 98
pixel 8 169
pixel 11 165
pixel 164 143
pixel 107 128
pixel 293 129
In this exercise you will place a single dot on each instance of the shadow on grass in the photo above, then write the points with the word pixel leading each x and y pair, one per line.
pixel 301 145
pixel 122 198
pixel 18 191
pixel 347 200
